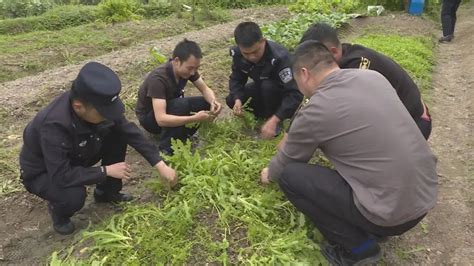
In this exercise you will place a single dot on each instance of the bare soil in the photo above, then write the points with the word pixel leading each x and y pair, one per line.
pixel 445 235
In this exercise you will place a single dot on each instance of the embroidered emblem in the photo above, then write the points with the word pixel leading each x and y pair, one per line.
pixel 286 75
pixel 364 63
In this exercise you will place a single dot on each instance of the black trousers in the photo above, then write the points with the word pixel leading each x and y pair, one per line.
pixel 448 16
pixel 326 198
pixel 181 107
pixel 68 200
pixel 424 126
pixel 266 98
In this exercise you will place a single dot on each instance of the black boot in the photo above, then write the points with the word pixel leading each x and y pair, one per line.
pixel 117 197
pixel 445 39
pixel 61 224
pixel 337 255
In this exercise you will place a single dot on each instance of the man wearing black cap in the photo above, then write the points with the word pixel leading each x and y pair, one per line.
pixel 65 141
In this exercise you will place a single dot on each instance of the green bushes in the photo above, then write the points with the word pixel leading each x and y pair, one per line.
pixel 324 6
pixel 55 19
pixel 288 32
pixel 113 11
pixel 23 8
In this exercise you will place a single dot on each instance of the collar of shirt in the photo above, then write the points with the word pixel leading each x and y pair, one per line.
pixel 180 83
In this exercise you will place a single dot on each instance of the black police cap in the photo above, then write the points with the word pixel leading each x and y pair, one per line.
pixel 100 86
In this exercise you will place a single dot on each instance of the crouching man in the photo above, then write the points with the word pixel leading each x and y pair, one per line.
pixel 385 178
pixel 65 140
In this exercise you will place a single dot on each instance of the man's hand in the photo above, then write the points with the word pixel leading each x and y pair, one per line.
pixel 268 129
pixel 167 173
pixel 264 176
pixel 202 116
pixel 119 170
pixel 216 108
pixel 237 107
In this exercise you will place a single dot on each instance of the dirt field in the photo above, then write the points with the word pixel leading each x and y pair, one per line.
pixel 445 236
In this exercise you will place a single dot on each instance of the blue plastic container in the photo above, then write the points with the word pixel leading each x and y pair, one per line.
pixel 416 7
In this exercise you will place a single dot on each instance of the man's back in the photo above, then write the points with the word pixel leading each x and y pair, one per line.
pixel 358 56
pixel 362 127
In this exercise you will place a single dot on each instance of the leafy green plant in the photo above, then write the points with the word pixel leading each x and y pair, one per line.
pixel 288 32
pixel 219 196
pixel 114 11
pixel 57 18
pixel 324 6
pixel 414 54
pixel 23 8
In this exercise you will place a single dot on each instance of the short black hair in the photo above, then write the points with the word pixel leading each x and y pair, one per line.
pixel 321 32
pixel 185 48
pixel 247 34
pixel 312 54
pixel 74 96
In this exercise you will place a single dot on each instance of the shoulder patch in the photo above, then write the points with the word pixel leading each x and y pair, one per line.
pixel 286 75
pixel 232 52
pixel 364 63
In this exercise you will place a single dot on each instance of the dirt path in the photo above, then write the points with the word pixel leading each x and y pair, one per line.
pixel 446 236
pixel 30 87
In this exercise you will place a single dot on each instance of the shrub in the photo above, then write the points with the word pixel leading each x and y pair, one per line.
pixel 114 11
pixel 55 19
pixel 324 6
pixel 157 8
pixel 24 8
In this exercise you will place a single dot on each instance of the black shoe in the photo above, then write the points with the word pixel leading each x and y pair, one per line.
pixel 445 39
pixel 337 255
pixel 100 196
pixel 61 225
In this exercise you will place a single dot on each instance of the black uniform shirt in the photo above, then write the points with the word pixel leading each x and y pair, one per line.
pixel 274 65
pixel 357 56
pixel 59 143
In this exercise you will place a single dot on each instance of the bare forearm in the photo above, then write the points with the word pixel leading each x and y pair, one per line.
pixel 174 120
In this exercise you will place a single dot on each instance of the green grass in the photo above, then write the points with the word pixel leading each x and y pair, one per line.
pixel 28 54
pixel 219 194
pixel 413 53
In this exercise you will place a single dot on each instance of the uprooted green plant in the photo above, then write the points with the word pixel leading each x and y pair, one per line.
pixel 219 179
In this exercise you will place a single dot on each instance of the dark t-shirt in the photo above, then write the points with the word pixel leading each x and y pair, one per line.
pixel 160 84
pixel 357 56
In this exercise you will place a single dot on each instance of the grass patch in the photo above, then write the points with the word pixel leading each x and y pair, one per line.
pixel 38 51
pixel 219 194
pixel 413 53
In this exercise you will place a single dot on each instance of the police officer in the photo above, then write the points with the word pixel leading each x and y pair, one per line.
pixel 357 56
pixel 65 141
pixel 273 92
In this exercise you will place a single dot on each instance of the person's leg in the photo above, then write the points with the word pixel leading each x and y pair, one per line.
pixel 113 150
pixel 149 123
pixel 424 126
pixel 455 9
pixel 251 91
pixel 271 95
pixel 196 104
pixel 324 196
pixel 62 202
pixel 180 107
pixel 447 20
